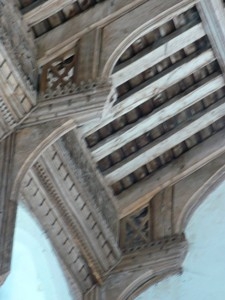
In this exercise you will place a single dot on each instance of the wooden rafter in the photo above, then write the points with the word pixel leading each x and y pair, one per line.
pixel 140 194
pixel 165 112
pixel 44 10
pixel 166 142
pixel 69 32
pixel 149 57
pixel 160 82
pixel 100 15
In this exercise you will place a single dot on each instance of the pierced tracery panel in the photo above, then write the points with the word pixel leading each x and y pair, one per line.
pixel 135 229
pixel 58 74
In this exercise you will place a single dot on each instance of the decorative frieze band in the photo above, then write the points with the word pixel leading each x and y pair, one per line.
pixel 104 247
pixel 76 154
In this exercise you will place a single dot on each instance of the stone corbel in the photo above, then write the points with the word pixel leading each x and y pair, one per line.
pixel 139 270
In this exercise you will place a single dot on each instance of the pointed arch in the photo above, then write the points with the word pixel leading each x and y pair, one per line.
pixel 198 197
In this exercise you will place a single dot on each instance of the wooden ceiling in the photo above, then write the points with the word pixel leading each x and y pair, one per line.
pixel 44 15
pixel 163 122
pixel 168 101
pixel 169 85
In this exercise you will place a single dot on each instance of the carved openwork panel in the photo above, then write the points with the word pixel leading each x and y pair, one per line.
pixel 135 229
pixel 150 225
pixel 59 75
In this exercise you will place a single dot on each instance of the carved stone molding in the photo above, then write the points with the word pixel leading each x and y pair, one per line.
pixel 72 88
pixel 18 43
pixel 90 180
pixel 100 249
pixel 7 121
pixel 83 102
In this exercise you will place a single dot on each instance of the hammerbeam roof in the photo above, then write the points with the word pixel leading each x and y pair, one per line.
pixel 112 131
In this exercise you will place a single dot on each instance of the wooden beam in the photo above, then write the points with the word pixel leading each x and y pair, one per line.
pixel 160 82
pixel 166 142
pixel 141 193
pixel 160 115
pixel 149 57
pixel 213 19
pixel 99 261
pixel 156 85
pixel 62 38
pixel 44 10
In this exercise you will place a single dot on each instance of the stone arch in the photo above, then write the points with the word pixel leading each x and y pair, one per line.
pixel 30 144
pixel 142 283
pixel 145 18
pixel 52 186
pixel 198 197
pixel 121 47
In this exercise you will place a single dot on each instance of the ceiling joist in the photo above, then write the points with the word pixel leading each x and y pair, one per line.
pixel 149 57
pixel 33 16
pixel 160 82
pixel 166 142
pixel 141 193
pixel 64 36
pixel 160 115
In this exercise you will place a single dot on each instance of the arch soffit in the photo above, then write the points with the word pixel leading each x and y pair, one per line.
pixel 143 282
pixel 198 197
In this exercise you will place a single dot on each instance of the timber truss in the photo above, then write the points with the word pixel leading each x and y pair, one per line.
pixel 112 131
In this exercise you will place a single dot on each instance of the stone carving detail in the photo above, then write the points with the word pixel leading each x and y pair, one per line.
pixel 135 229
pixel 104 246
pixel 70 88
pixel 18 43
pixel 85 173
pixel 59 74
pixel 6 114
pixel 58 79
